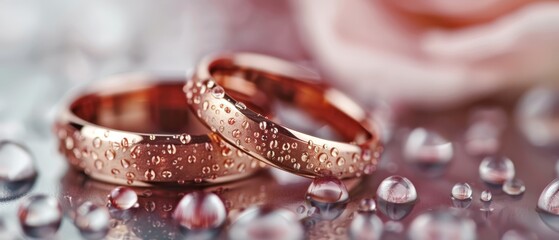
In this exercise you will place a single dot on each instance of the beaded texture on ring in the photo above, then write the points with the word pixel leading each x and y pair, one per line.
pixel 274 144
pixel 143 159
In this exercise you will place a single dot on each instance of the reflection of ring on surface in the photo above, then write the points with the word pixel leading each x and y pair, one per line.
pixel 153 218
pixel 210 95
pixel 137 130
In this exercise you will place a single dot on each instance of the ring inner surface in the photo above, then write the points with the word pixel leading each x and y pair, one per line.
pixel 151 107
pixel 154 108
pixel 305 96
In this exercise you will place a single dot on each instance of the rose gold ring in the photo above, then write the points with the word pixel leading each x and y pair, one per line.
pixel 136 129
pixel 211 95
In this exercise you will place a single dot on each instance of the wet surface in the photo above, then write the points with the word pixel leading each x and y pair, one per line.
pixel 153 218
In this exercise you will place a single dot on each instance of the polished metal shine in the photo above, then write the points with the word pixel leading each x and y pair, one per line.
pixel 136 129
pixel 223 86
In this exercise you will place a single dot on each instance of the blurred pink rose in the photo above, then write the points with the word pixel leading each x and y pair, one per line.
pixel 431 53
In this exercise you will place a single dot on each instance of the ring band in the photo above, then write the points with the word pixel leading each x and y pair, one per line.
pixel 209 94
pixel 136 129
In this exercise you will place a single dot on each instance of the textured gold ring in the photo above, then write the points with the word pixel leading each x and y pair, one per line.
pixel 136 129
pixel 212 95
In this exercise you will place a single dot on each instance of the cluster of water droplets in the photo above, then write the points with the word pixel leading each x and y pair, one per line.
pixel 499 170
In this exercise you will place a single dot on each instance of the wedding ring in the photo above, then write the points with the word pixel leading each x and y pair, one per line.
pixel 212 96
pixel 136 129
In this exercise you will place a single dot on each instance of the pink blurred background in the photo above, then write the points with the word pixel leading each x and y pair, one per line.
pixel 427 54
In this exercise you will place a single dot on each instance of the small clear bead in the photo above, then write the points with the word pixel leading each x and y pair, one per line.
pixel 486 196
pixel 462 191
pixel 514 186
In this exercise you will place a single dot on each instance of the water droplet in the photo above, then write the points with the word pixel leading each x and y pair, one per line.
pixel 427 148
pixel 304 157
pixel 125 163
pixel 265 223
pixel 122 198
pixel 231 121
pixel 135 151
pixel 16 162
pixel 98 164
pixel 549 198
pixel 485 199
pixel 366 154
pixel 218 92
pixel 92 220
pixel 462 191
pixel 397 189
pixel 262 125
pixel 171 149
pixel 40 216
pixel 124 143
pixel 442 224
pixel 274 144
pixel 486 196
pixel 537 116
pixel 328 196
pixel 365 226
pixel 17 170
pixel 110 154
pixel 240 105
pixel 236 133
pixel 396 197
pixel 115 171
pixel 514 187
pixel 334 152
pixel 149 174
pixel 69 142
pixel 166 174
pixel 322 157
pixel 97 142
pixel 200 211
pixel 241 167
pixel 340 161
pixel 155 160
pixel 327 190
pixel 270 154
pixel 496 169
pixel 367 205
pixel 301 209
